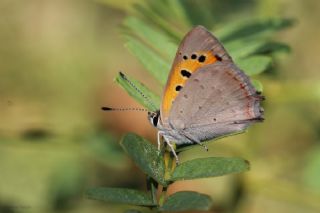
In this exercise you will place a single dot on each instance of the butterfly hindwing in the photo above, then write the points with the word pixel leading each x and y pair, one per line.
pixel 218 99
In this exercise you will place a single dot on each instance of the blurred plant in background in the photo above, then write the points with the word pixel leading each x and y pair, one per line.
pixel 57 59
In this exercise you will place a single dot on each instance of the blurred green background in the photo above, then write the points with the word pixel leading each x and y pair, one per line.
pixel 58 60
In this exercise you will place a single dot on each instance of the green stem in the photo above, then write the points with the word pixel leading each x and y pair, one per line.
pixel 169 162
pixel 163 196
pixel 152 186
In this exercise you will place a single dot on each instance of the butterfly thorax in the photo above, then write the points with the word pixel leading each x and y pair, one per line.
pixel 166 130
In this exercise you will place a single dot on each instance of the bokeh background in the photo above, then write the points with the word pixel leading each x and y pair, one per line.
pixel 58 60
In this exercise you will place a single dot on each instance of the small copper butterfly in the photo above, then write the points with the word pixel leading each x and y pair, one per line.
pixel 206 95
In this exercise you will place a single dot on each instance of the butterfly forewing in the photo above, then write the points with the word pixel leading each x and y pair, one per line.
pixel 198 49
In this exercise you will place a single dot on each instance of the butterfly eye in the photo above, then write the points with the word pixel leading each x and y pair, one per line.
pixel 155 121
pixel 154 118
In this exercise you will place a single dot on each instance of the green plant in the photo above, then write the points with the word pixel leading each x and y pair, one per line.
pixel 152 35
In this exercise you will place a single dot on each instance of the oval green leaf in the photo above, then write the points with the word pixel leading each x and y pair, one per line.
pixel 150 59
pixel 255 64
pixel 154 39
pixel 239 49
pixel 274 47
pixel 186 201
pixel 252 28
pixel 257 84
pixel 145 155
pixel 140 93
pixel 209 167
pixel 120 195
pixel 132 211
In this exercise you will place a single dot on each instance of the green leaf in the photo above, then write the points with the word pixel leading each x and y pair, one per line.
pixel 132 211
pixel 152 186
pixel 154 100
pixel 252 28
pixel 186 201
pixel 257 84
pixel 171 12
pixel 209 167
pixel 255 64
pixel 145 155
pixel 157 66
pixel 155 39
pixel 178 9
pixel 274 47
pixel 241 48
pixel 311 172
pixel 202 12
pixel 120 195
pixel 157 20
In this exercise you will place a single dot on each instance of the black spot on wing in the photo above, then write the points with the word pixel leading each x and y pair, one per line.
pixel 178 88
pixel 219 58
pixel 185 73
pixel 202 58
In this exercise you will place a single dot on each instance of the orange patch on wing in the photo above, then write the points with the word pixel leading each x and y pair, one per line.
pixel 176 78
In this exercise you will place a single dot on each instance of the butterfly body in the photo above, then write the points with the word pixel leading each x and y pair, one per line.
pixel 206 95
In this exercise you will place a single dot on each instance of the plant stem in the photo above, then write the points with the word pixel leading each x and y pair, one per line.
pixel 152 186
pixel 163 196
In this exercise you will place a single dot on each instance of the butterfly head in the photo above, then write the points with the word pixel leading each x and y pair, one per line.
pixel 154 118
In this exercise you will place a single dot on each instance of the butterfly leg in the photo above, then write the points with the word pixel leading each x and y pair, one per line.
pixel 201 144
pixel 196 141
pixel 172 150
pixel 159 140
pixel 204 146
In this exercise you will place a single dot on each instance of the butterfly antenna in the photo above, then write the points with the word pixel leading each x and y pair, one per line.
pixel 123 109
pixel 137 89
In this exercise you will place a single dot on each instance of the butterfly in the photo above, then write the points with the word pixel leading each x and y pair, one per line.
pixel 206 95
